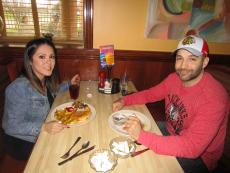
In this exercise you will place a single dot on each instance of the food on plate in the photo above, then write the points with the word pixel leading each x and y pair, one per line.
pixel 102 160
pixel 76 113
pixel 119 119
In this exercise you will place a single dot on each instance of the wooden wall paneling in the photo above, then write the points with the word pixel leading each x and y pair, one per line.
pixel 134 70
pixel 144 74
pixel 221 73
pixel 148 73
pixel 144 68
pixel 156 72
pixel 88 69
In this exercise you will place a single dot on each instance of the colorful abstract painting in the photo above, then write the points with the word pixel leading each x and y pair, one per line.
pixel 173 19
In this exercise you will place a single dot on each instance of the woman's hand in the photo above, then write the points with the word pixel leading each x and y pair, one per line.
pixel 133 127
pixel 75 80
pixel 53 127
pixel 118 104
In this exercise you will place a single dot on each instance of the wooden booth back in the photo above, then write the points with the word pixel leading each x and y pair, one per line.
pixel 144 68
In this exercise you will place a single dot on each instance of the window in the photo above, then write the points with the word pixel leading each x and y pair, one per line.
pixel 67 22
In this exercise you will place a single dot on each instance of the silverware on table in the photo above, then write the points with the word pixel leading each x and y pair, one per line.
pixel 68 152
pixel 84 146
pixel 76 155
pixel 139 152
pixel 137 142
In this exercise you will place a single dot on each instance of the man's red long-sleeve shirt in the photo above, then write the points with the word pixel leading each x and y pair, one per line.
pixel 196 118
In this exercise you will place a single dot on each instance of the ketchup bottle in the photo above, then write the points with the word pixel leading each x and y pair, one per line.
pixel 101 82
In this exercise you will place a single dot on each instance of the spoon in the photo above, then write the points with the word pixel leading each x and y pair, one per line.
pixel 84 146
pixel 68 152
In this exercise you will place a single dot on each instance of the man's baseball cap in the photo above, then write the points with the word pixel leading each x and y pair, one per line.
pixel 194 44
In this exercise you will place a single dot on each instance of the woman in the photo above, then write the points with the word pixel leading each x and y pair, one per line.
pixel 28 99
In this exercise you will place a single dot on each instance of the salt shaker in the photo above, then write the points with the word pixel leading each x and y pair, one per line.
pixel 107 88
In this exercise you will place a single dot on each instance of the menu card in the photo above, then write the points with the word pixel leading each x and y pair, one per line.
pixel 106 56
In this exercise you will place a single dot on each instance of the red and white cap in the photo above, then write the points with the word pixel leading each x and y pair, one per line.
pixel 195 45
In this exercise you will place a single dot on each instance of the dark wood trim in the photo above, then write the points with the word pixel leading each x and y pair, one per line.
pixel 219 59
pixel 3 18
pixel 88 24
pixel 163 56
pixel 144 68
pixel 9 53
pixel 35 18
pixel 135 55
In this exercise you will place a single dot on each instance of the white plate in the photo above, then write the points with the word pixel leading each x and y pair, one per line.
pixel 62 106
pixel 119 128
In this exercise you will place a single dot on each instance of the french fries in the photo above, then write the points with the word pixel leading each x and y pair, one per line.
pixel 72 115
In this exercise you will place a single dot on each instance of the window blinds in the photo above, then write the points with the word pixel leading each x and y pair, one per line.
pixel 61 19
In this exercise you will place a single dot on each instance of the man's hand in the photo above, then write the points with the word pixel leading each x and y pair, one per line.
pixel 118 104
pixel 133 127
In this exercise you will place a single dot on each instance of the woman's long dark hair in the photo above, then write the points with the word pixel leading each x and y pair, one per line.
pixel 51 82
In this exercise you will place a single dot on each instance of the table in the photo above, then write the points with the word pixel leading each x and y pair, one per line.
pixel 48 148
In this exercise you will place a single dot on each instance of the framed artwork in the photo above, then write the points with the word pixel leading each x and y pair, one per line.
pixel 170 19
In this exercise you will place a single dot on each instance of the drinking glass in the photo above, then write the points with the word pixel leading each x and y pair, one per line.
pixel 124 84
pixel 74 91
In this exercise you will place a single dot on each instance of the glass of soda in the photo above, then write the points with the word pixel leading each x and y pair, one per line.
pixel 74 91
pixel 124 84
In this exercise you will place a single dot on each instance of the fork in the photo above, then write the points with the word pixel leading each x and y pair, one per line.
pixel 124 117
pixel 66 155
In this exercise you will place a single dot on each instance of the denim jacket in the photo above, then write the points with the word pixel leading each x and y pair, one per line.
pixel 25 109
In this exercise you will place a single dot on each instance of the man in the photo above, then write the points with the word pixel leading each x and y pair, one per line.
pixel 196 109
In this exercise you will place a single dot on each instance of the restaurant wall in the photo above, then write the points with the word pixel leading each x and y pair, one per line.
pixel 122 23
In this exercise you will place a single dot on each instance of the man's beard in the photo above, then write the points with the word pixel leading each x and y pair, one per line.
pixel 189 75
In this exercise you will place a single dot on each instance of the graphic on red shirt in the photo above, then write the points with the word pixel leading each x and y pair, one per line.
pixel 176 113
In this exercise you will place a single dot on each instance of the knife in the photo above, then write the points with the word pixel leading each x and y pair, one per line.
pixel 139 152
pixel 76 155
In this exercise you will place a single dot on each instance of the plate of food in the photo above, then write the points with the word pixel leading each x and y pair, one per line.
pixel 103 160
pixel 122 146
pixel 117 119
pixel 74 113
